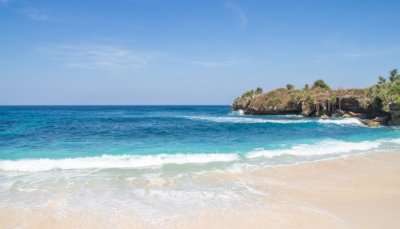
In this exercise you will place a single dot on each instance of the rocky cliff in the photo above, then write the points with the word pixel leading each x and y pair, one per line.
pixel 394 114
pixel 320 101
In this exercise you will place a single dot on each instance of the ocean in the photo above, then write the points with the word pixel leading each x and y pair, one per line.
pixel 155 160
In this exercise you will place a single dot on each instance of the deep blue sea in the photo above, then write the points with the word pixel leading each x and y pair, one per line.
pixel 159 162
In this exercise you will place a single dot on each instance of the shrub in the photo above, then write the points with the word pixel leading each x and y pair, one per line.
pixel 252 93
pixel 258 90
pixel 321 84
pixel 289 86
pixel 393 75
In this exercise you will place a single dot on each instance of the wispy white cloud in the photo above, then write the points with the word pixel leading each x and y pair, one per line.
pixel 35 14
pixel 101 57
pixel 355 54
pixel 238 12
pixel 215 64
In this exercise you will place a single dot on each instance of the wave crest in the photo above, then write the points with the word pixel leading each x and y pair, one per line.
pixel 325 147
pixel 245 120
pixel 344 121
pixel 252 120
pixel 115 162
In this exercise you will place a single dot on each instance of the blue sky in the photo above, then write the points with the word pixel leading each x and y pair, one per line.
pixel 188 52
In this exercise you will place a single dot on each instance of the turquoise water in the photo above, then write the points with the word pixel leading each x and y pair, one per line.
pixel 140 136
pixel 159 162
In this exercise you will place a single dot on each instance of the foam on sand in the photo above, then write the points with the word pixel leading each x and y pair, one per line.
pixel 110 161
pixel 325 147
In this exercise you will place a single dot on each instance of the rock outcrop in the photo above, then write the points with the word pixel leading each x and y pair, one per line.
pixel 275 102
pixel 394 110
pixel 318 102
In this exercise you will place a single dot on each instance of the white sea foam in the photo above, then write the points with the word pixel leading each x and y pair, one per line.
pixel 109 161
pixel 249 120
pixel 321 148
pixel 394 141
pixel 325 147
pixel 245 119
pixel 238 112
pixel 344 121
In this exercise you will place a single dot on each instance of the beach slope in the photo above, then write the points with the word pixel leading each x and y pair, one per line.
pixel 361 191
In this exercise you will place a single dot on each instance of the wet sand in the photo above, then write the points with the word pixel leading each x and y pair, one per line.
pixel 360 191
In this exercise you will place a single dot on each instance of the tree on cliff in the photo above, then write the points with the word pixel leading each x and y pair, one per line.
pixel 387 91
pixel 252 93
pixel 381 80
pixel 289 86
pixel 394 75
pixel 321 84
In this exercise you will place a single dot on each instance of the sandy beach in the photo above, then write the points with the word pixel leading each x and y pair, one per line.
pixel 361 191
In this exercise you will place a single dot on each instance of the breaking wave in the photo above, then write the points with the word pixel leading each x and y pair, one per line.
pixel 250 120
pixel 245 120
pixel 325 147
pixel 345 121
pixel 113 162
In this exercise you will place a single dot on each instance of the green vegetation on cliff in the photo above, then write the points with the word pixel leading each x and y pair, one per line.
pixel 386 91
pixel 252 93
pixel 321 84
pixel 378 100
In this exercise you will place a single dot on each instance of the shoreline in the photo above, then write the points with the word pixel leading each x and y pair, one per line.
pixel 355 191
pixel 325 149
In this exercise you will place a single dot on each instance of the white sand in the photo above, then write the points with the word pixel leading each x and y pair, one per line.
pixel 356 192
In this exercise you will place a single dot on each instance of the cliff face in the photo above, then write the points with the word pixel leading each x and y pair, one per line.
pixel 318 102
pixel 275 102
pixel 394 114
pixel 378 104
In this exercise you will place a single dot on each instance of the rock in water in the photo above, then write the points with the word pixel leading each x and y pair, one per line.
pixel 324 116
